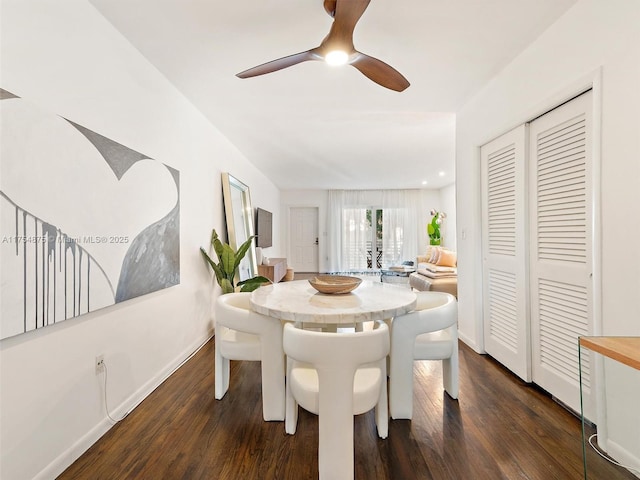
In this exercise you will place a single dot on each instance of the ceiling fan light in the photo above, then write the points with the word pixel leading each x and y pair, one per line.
pixel 336 57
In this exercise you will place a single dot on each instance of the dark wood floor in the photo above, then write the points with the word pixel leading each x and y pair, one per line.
pixel 501 428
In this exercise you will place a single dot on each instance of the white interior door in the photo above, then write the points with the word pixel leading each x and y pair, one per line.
pixel 504 233
pixel 303 239
pixel 561 257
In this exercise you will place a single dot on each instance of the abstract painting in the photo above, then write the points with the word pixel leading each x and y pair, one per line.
pixel 85 222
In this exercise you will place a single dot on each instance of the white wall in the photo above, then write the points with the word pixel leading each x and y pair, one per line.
pixel 596 39
pixel 66 58
pixel 443 199
pixel 448 206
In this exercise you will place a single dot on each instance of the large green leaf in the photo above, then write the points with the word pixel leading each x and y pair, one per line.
pixel 227 286
pixel 228 261
pixel 251 284
pixel 214 266
pixel 242 251
pixel 217 244
pixel 433 229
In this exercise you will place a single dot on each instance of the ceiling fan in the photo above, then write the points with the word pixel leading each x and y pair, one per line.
pixel 337 49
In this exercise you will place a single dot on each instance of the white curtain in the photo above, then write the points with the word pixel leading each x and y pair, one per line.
pixel 401 217
pixel 350 233
pixel 356 236
pixel 348 230
pixel 334 229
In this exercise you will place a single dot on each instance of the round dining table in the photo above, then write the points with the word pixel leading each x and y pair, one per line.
pixel 298 301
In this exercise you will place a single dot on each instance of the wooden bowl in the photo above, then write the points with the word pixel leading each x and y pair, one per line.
pixel 334 284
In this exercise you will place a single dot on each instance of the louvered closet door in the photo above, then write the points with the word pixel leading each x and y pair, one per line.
pixel 504 222
pixel 561 249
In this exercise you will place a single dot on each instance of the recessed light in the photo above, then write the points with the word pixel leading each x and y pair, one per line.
pixel 424 182
pixel 441 173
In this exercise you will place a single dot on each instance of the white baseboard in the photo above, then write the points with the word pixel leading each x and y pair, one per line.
pixel 66 458
pixel 471 344
pixel 623 456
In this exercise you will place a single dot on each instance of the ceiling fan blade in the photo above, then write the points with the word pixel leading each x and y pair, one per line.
pixel 346 14
pixel 380 72
pixel 330 6
pixel 279 64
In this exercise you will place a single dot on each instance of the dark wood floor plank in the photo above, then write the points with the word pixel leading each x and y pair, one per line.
pixel 501 428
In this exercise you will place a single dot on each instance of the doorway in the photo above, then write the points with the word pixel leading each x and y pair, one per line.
pixel 303 239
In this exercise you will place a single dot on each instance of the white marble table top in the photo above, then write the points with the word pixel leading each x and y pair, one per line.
pixel 298 301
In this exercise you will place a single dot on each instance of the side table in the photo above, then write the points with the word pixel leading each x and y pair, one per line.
pixel 625 350
pixel 396 275
pixel 274 270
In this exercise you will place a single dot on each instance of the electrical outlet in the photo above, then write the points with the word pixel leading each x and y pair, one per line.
pixel 99 363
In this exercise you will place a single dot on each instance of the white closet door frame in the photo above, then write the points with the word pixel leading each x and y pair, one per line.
pixel 504 248
pixel 561 250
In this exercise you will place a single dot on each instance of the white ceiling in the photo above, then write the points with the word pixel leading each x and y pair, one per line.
pixel 315 126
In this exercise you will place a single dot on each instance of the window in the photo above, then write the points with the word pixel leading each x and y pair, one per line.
pixel 370 241
pixel 364 237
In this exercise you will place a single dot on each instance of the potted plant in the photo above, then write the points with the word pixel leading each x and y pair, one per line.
pixel 433 228
pixel 227 266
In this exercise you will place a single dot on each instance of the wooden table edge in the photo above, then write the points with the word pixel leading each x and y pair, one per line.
pixel 625 350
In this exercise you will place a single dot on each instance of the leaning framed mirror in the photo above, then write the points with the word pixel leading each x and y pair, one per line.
pixel 239 217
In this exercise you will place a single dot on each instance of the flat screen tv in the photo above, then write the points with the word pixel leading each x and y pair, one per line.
pixel 264 228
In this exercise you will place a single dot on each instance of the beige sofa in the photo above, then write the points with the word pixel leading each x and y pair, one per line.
pixel 436 271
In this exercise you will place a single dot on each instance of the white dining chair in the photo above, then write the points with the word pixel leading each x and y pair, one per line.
pixel 430 332
pixel 242 334
pixel 336 376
